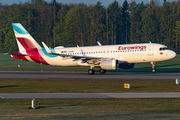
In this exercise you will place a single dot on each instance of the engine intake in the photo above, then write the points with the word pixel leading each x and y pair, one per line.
pixel 109 64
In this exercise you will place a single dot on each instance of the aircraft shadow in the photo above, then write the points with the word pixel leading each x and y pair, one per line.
pixel 167 66
pixel 9 86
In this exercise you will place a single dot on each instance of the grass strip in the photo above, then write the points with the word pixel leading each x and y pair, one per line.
pixel 91 108
pixel 83 86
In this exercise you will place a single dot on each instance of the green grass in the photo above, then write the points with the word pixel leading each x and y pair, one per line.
pixel 99 109
pixel 11 64
pixel 83 86
pixel 91 109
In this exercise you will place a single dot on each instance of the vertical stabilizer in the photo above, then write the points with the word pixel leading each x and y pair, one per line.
pixel 24 40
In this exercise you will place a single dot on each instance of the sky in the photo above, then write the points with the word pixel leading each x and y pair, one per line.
pixel 87 2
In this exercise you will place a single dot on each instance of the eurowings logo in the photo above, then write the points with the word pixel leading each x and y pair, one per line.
pixel 132 48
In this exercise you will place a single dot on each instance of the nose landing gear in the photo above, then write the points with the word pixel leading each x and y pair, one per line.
pixel 153 69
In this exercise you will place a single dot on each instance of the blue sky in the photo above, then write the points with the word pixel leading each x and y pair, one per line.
pixel 104 2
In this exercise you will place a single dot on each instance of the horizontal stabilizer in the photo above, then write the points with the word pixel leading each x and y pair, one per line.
pixel 19 54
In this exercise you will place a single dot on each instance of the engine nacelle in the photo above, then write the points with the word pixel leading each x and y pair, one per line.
pixel 127 65
pixel 109 64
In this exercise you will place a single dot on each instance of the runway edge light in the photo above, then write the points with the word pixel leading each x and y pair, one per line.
pixel 126 85
pixel 177 81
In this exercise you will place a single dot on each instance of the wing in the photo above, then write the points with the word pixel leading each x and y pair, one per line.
pixel 84 59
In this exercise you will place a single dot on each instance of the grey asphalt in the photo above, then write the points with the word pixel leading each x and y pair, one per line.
pixel 85 76
pixel 91 95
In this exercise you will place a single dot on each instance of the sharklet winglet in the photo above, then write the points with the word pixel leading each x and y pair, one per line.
pixel 46 48
pixel 99 44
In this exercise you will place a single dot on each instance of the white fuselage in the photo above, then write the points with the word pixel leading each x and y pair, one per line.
pixel 130 53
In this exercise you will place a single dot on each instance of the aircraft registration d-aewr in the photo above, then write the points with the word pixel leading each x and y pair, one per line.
pixel 105 57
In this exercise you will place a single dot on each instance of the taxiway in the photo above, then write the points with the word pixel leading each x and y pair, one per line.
pixel 91 95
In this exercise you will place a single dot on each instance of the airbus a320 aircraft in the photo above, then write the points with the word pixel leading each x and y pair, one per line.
pixel 106 57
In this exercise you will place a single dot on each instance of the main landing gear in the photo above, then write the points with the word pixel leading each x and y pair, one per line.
pixel 91 71
pixel 153 69
pixel 102 71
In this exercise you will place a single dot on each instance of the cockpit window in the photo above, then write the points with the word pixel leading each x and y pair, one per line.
pixel 163 48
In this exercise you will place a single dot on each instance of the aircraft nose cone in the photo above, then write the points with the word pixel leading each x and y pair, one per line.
pixel 173 54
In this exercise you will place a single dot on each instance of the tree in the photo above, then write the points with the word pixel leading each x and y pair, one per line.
pixel 79 24
pixel 2 19
pixel 177 32
pixel 98 15
pixel 136 23
pixel 43 23
pixel 17 13
pixel 150 24
pixel 126 22
pixel 82 25
pixel 115 24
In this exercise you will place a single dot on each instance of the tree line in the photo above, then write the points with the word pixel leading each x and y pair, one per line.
pixel 73 24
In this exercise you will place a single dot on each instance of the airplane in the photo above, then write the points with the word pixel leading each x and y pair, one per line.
pixel 105 57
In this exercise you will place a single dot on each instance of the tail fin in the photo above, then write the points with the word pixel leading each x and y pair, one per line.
pixel 24 40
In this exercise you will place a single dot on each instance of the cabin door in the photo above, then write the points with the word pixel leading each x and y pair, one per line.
pixel 150 50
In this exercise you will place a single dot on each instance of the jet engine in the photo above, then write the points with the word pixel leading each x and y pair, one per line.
pixel 109 64
pixel 127 65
